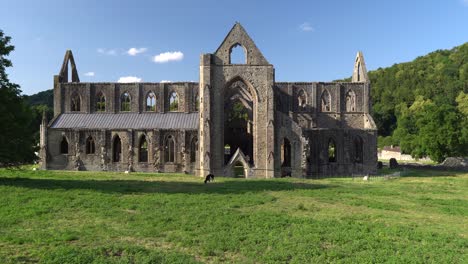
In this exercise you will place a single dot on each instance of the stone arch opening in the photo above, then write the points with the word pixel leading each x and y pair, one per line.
pixel 151 102
pixel 64 146
pixel 75 102
pixel 239 170
pixel 325 101
pixel 169 150
pixel 90 146
pixel 193 149
pixel 286 153
pixel 116 149
pixel 237 54
pixel 301 99
pixel 173 102
pixel 331 151
pixel 125 102
pixel 100 102
pixel 239 120
pixel 143 149
pixel 350 101
pixel 358 149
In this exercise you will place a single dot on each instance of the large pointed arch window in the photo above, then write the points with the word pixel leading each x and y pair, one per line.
pixel 325 101
pixel 100 102
pixel 151 102
pixel 75 103
pixel 90 146
pixel 350 101
pixel 173 102
pixel 169 151
pixel 331 150
pixel 64 146
pixel 116 149
pixel 143 149
pixel 125 102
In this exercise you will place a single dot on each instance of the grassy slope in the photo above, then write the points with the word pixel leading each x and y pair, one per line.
pixel 112 217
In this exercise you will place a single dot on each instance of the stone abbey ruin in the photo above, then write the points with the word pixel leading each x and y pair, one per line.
pixel 237 118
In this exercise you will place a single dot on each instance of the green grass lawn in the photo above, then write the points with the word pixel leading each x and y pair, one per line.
pixel 86 217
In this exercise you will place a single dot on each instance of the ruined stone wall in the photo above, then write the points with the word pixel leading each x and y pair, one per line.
pixel 102 158
pixel 187 93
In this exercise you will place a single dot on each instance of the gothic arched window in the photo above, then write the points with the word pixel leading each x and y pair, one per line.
pixel 169 151
pixel 151 102
pixel 331 150
pixel 301 99
pixel 173 102
pixel 100 102
pixel 90 146
pixel 325 101
pixel 143 150
pixel 117 149
pixel 350 101
pixel 64 146
pixel 75 103
pixel 125 102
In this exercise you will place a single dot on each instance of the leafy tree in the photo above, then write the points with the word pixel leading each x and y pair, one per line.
pixel 428 129
pixel 16 140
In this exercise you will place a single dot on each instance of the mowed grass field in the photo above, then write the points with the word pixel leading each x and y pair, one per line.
pixel 104 217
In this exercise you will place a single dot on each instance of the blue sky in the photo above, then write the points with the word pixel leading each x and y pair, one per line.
pixel 304 40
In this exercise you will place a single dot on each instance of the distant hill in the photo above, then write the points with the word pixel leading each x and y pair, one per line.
pixel 440 76
pixel 42 98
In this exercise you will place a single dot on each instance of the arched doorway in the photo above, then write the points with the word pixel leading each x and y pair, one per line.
pixel 239 170
pixel 239 120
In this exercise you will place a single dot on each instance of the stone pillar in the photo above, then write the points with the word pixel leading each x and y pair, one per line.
pixel 204 146
pixel 270 129
pixel 43 142
pixel 162 97
pixel 156 147
pixel 58 92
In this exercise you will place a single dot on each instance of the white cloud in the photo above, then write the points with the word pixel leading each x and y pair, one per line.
pixel 111 52
pixel 90 74
pixel 135 51
pixel 168 56
pixel 165 81
pixel 129 79
pixel 306 27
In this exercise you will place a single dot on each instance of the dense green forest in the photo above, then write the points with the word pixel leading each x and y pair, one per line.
pixel 420 105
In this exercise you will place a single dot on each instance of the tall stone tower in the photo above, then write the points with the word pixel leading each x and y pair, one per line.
pixel 225 86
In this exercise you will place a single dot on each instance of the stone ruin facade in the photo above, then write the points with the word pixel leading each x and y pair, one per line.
pixel 237 121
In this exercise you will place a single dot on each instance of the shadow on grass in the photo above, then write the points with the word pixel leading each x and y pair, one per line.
pixel 135 186
pixel 420 172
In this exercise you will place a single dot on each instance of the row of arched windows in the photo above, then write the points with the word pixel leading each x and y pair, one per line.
pixel 325 101
pixel 169 148
pixel 126 102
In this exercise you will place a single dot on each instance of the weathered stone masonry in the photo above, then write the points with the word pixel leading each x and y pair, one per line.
pixel 237 116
